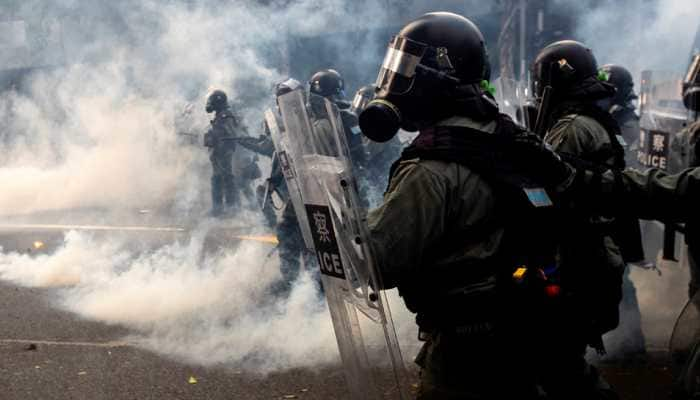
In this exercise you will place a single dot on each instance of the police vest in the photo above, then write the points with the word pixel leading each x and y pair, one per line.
pixel 523 274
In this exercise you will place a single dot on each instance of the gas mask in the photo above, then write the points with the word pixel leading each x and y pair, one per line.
pixel 209 107
pixel 399 102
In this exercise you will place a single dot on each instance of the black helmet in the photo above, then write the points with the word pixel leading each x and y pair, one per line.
pixel 217 101
pixel 691 85
pixel 362 97
pixel 327 83
pixel 623 81
pixel 563 65
pixel 432 63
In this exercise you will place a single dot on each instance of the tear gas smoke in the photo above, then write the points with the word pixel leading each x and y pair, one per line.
pixel 205 308
pixel 639 34
pixel 98 129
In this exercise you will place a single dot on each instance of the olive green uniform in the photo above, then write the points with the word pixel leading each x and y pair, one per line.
pixel 629 128
pixel 437 214
pixel 584 137
pixel 427 200
pixel 685 155
pixel 567 375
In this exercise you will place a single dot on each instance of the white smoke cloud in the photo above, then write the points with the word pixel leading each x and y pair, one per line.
pixel 208 308
pixel 186 301
pixel 639 34
pixel 98 132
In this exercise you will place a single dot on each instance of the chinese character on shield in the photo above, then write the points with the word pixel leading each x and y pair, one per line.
pixel 658 143
pixel 321 227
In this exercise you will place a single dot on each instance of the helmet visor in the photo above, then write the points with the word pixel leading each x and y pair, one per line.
pixel 399 67
pixel 692 78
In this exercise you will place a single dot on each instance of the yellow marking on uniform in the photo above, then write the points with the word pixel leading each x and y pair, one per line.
pixel 519 273
pixel 263 239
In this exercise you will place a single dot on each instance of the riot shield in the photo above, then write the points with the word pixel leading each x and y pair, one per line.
pixel 281 146
pixel 512 99
pixel 662 115
pixel 319 165
pixel 684 347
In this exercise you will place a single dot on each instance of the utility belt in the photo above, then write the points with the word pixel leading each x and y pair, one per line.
pixel 498 304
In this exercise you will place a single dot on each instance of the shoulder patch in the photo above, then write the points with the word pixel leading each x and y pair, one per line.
pixel 538 197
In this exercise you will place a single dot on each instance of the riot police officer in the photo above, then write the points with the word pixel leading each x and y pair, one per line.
pixel 461 227
pixel 621 107
pixel 468 237
pixel 220 140
pixel 628 338
pixel 329 84
pixel 577 126
pixel 291 246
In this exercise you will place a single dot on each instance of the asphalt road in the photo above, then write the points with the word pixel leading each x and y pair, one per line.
pixel 46 353
pixel 49 354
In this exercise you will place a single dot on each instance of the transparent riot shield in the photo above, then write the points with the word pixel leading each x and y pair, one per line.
pixel 330 210
pixel 281 145
pixel 662 116
pixel 513 99
pixel 684 347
